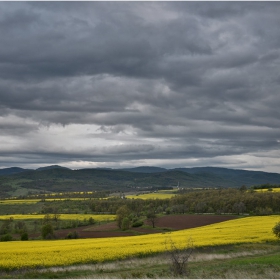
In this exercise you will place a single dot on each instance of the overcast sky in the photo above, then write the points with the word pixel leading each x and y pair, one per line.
pixel 119 84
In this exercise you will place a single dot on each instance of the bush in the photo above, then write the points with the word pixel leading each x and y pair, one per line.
pixel 91 221
pixel 24 236
pixel 6 237
pixel 47 231
pixel 72 235
pixel 264 211
pixel 137 224
pixel 276 230
pixel 125 224
pixel 179 257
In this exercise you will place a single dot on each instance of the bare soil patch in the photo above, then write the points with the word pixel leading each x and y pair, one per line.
pixel 178 222
pixel 173 222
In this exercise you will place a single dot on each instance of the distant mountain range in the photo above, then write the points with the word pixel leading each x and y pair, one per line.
pixel 55 178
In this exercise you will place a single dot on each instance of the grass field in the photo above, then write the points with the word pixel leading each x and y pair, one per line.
pixel 32 254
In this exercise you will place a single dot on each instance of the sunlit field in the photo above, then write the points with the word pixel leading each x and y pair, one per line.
pixel 21 254
pixel 98 218
pixel 268 190
pixel 151 196
pixel 35 200
pixel 70 194
pixel 19 201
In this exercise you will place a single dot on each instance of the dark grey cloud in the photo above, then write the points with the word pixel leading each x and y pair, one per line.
pixel 87 84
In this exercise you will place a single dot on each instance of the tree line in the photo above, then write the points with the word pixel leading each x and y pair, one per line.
pixel 218 201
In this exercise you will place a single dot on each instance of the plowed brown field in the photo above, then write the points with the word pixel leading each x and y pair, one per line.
pixel 173 222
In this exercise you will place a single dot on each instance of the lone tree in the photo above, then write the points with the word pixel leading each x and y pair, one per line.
pixel 276 230
pixel 152 217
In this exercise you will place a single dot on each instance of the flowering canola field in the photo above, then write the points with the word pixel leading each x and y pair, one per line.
pixel 152 196
pixel 19 201
pixel 22 254
pixel 36 200
pixel 80 217
pixel 268 190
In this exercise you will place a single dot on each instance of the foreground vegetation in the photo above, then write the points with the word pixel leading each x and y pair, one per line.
pixel 242 261
pixel 34 254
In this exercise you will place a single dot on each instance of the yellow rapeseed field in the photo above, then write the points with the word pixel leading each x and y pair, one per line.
pixel 35 200
pixel 21 254
pixel 268 190
pixel 19 201
pixel 152 196
pixel 80 217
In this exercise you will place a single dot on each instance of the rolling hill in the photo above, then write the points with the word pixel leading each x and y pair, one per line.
pixel 60 179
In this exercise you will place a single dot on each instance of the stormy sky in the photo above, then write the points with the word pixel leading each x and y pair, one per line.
pixel 122 84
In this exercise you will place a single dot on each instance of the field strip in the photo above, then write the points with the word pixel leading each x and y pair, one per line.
pixel 36 200
pixel 151 196
pixel 101 217
pixel 43 253
pixel 152 260
pixel 267 190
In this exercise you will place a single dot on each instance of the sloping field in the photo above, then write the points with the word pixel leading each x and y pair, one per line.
pixel 111 229
pixel 20 254
pixel 190 221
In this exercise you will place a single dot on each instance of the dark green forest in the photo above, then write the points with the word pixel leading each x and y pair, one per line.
pixel 16 181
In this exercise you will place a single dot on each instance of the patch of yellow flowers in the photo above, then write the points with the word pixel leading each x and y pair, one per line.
pixel 268 190
pixel 151 196
pixel 22 254
pixel 98 218
pixel 36 200
pixel 19 201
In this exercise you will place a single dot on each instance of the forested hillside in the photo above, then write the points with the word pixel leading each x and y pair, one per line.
pixel 17 181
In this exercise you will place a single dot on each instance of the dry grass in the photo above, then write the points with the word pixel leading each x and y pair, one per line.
pixel 117 267
pixel 207 263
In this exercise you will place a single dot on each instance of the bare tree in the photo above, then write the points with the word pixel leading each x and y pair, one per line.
pixel 179 257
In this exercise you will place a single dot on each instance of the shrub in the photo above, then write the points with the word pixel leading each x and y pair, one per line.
pixel 264 211
pixel 47 231
pixel 24 236
pixel 91 221
pixel 125 224
pixel 276 230
pixel 179 257
pixel 137 224
pixel 6 237
pixel 72 235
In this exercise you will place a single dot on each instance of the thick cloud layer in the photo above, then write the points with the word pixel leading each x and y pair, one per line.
pixel 117 84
